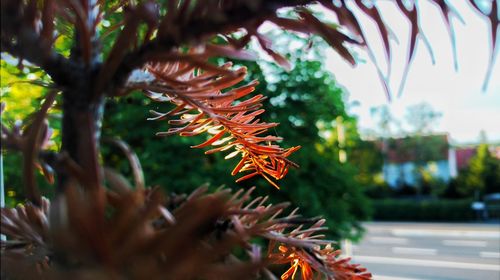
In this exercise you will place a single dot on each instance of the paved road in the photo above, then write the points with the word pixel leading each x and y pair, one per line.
pixel 414 251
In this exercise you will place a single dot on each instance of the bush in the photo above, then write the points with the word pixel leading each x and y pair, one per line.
pixel 423 210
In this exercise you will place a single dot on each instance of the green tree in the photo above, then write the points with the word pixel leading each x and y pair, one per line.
pixel 305 101
pixel 482 175
pixel 21 96
pixel 386 124
pixel 368 159
pixel 422 118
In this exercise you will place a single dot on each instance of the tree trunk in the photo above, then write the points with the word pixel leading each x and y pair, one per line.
pixel 81 129
pixel 83 107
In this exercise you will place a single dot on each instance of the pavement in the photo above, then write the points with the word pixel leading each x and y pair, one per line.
pixel 416 251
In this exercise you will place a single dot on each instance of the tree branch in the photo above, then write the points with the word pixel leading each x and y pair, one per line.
pixel 196 29
pixel 59 68
pixel 21 37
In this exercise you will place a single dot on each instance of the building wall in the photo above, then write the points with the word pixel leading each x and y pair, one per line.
pixel 452 162
pixel 443 170
pixel 397 174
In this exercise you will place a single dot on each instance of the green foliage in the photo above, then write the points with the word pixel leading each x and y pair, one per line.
pixel 423 210
pixel 482 175
pixel 368 159
pixel 306 102
pixel 430 184
pixel 168 162
pixel 19 95
pixel 22 97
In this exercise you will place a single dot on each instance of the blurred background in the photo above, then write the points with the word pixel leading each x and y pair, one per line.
pixel 410 186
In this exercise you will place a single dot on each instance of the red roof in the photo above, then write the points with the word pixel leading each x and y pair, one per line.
pixel 417 148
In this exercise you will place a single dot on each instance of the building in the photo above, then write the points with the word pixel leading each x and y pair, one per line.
pixel 405 158
pixel 463 155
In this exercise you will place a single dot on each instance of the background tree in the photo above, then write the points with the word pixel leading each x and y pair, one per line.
pixel 386 123
pixel 305 101
pixel 422 118
pixel 308 104
pixel 481 176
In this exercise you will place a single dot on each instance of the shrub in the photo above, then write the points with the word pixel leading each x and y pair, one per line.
pixel 423 210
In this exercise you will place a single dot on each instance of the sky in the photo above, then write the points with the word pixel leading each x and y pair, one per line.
pixel 466 109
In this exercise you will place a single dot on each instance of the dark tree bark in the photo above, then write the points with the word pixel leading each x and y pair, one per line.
pixel 83 109
pixel 81 129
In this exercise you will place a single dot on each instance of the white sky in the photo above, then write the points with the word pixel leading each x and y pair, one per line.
pixel 458 95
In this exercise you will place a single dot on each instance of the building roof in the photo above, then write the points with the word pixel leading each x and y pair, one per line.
pixel 415 148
